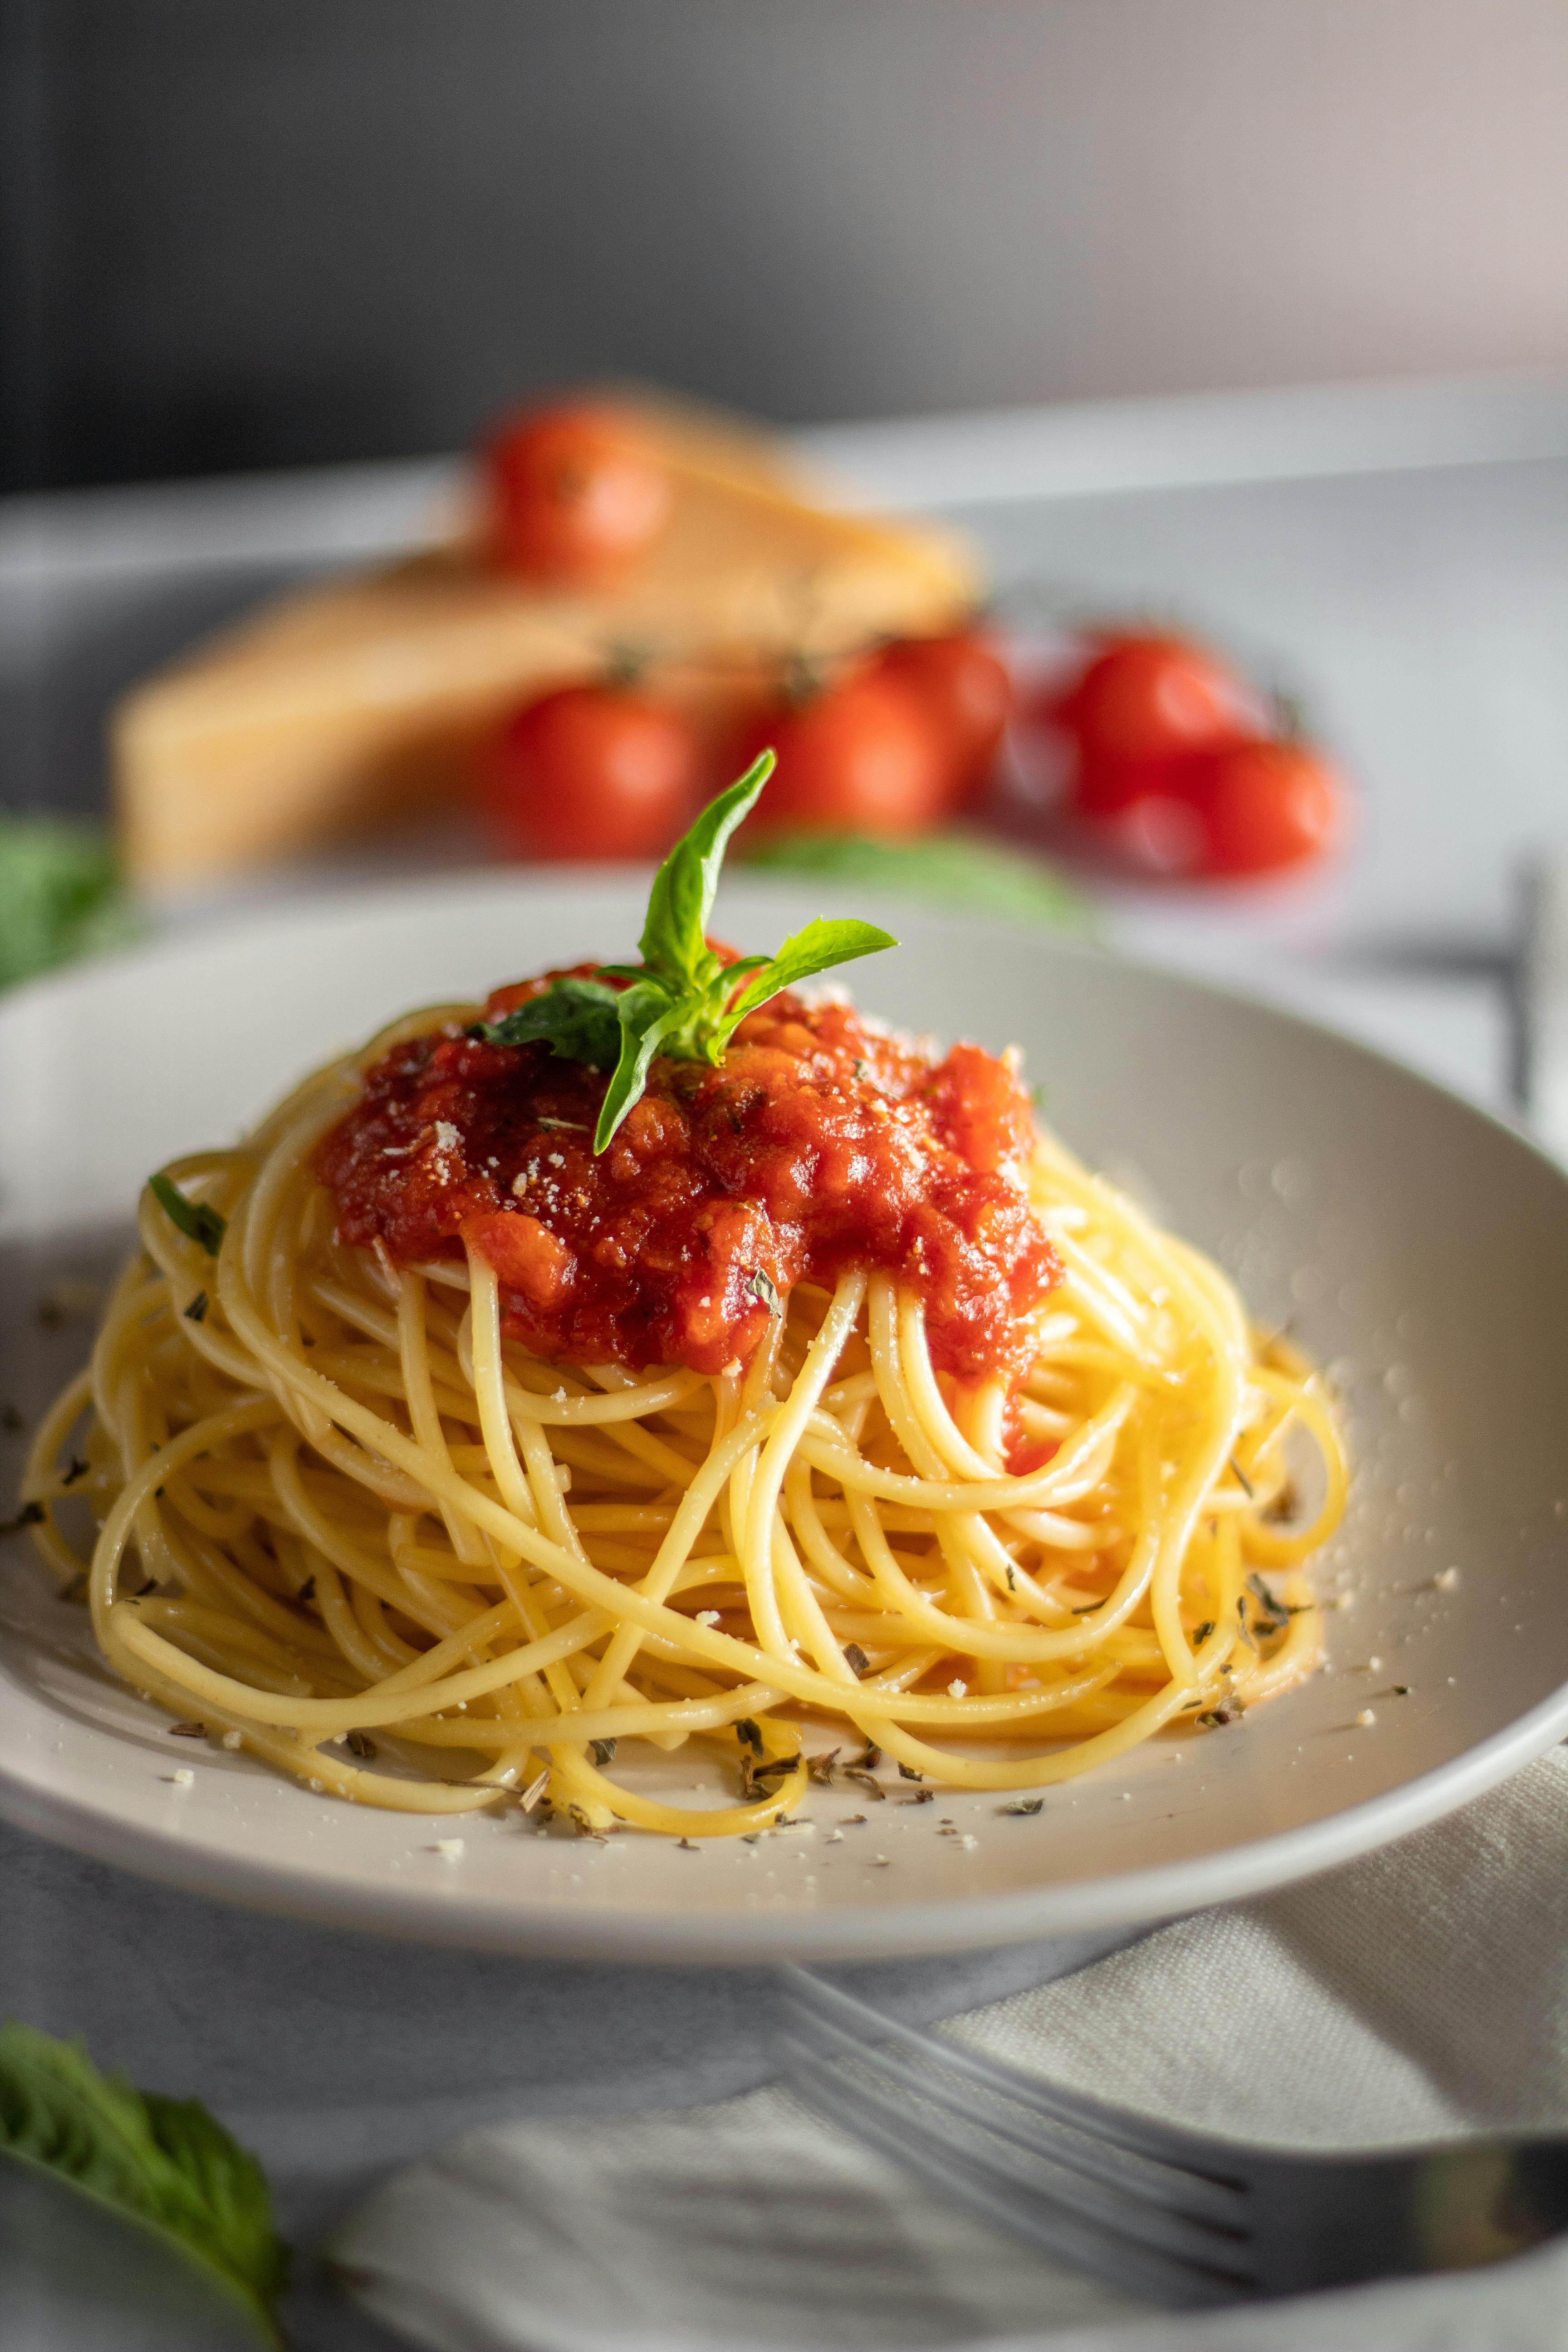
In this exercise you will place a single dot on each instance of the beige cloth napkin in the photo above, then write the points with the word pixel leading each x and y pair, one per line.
pixel 1419 1994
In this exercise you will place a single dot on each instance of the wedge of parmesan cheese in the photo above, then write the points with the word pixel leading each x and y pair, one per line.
pixel 336 712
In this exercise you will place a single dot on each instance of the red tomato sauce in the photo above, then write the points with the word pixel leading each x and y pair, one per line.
pixel 822 1142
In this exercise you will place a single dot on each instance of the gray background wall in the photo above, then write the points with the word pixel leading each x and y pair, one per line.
pixel 238 233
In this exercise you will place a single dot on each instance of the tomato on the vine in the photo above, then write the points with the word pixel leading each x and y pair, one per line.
pixel 577 492
pixel 1155 698
pixel 1264 806
pixel 860 756
pixel 590 771
pixel 968 693
pixel 1176 761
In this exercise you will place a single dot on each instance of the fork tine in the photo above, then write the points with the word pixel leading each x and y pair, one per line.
pixel 981 2138
pixel 1164 2206
pixel 997 2197
pixel 1189 2177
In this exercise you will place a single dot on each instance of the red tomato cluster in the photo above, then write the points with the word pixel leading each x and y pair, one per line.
pixel 899 745
pixel 1174 760
pixel 895 745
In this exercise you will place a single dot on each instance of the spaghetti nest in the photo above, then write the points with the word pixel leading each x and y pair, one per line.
pixel 347 1524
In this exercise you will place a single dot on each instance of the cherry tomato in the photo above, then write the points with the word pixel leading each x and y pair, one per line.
pixel 577 492
pixel 590 771
pixel 859 757
pixel 1106 788
pixel 1265 806
pixel 1155 697
pixel 966 690
pixel 1161 832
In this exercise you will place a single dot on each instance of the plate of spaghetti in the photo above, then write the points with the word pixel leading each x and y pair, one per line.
pixel 653 1458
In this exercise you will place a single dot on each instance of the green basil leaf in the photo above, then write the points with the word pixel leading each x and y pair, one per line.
pixel 60 895
pixel 579 1020
pixel 647 1014
pixel 674 941
pixel 726 977
pixel 163 2163
pixel 193 1218
pixel 962 870
pixel 821 945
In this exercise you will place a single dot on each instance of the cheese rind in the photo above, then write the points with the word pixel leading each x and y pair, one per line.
pixel 338 711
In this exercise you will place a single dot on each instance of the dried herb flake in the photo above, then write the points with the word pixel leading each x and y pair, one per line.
pixel 764 1291
pixel 1273 1616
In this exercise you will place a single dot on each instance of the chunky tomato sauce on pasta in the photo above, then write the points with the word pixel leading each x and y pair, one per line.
pixel 823 1142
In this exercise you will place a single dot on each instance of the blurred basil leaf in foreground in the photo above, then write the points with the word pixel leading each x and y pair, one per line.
pixel 960 870
pixel 59 896
pixel 163 2163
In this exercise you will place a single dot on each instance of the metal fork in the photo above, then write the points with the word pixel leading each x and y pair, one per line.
pixel 1183 2219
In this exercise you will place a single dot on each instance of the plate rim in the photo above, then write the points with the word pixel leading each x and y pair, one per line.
pixel 671 1936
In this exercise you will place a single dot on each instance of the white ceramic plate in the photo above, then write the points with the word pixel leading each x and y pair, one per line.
pixel 1419 1249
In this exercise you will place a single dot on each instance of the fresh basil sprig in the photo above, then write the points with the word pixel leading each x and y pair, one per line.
pixel 163 2163
pixel 193 1218
pixel 682 999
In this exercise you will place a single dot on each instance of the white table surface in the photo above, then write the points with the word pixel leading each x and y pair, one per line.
pixel 1401 554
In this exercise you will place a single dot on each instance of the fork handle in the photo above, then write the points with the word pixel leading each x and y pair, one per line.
pixel 1443 2210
